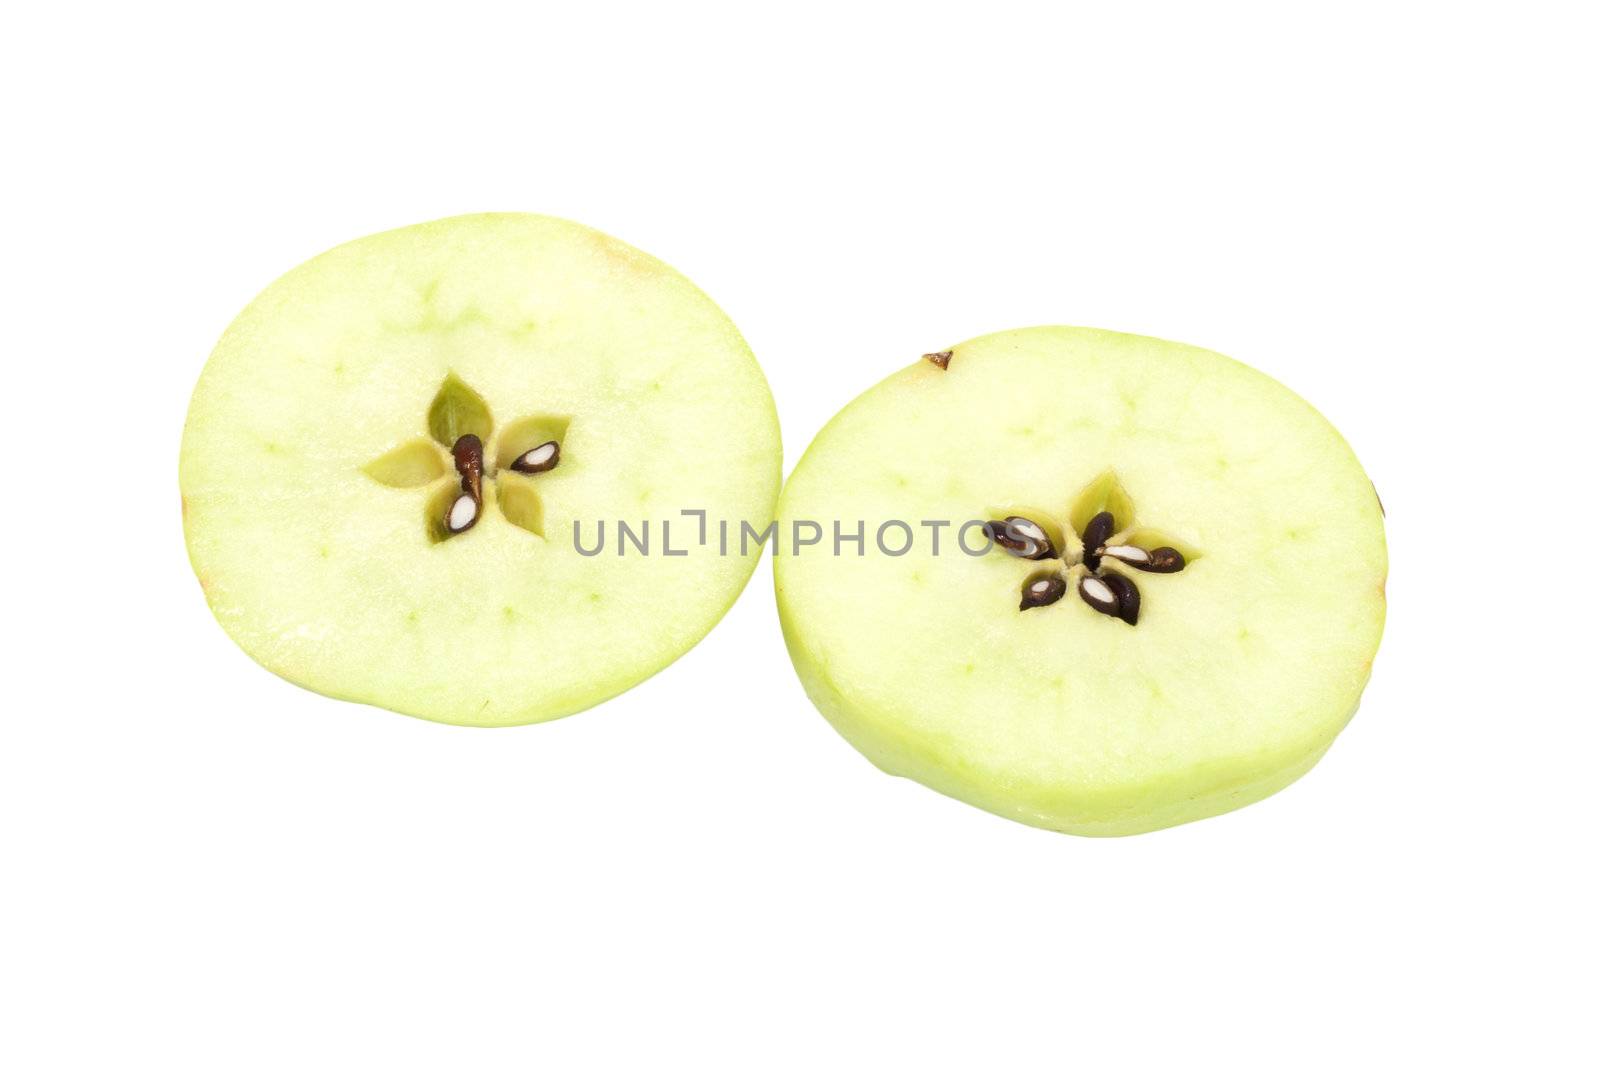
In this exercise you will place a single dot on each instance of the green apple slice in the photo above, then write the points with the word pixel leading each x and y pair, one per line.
pixel 1029 680
pixel 389 453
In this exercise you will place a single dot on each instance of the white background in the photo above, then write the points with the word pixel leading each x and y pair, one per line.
pixel 1391 208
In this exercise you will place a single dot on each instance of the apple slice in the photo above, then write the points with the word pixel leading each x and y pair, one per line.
pixel 1137 583
pixel 390 452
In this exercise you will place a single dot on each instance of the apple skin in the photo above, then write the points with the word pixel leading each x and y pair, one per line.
pixel 1138 809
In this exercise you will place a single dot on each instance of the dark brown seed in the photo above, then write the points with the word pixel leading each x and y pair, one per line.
pixel 1127 596
pixel 468 454
pixel 1099 595
pixel 1000 534
pixel 1032 532
pixel 939 359
pixel 537 460
pixel 1160 561
pixel 1095 533
pixel 1015 541
pixel 1041 591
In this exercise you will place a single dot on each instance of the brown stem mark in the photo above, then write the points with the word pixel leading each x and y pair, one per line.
pixel 465 509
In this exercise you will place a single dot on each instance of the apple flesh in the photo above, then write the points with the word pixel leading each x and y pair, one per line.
pixel 324 469
pixel 1249 645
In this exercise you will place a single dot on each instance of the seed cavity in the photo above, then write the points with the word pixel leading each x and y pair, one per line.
pixel 940 359
pixel 519 502
pixel 457 411
pixel 1105 493
pixel 459 423
pixel 1042 590
pixel 413 464
pixel 537 460
pixel 523 435
pixel 1102 510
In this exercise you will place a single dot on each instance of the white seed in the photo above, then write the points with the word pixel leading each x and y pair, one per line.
pixel 462 512
pixel 535 456
pixel 1029 529
pixel 1099 590
pixel 1130 553
pixel 1041 586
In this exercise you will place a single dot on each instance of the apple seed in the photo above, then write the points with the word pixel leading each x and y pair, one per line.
pixel 468 453
pixel 463 514
pixel 1156 561
pixel 1108 591
pixel 1127 595
pixel 1095 532
pixel 1029 529
pixel 1021 537
pixel 537 460
pixel 1098 595
pixel 1041 591
pixel 1000 534
pixel 1130 554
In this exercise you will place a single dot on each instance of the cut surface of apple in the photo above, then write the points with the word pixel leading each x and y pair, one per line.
pixel 1156 593
pixel 388 455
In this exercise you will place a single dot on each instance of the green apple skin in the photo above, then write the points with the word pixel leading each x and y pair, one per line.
pixel 1134 809
pixel 1242 669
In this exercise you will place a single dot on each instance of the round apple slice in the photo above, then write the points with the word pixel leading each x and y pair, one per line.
pixel 1107 583
pixel 402 455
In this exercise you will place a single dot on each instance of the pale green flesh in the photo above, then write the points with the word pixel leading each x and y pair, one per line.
pixel 1243 667
pixel 319 394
